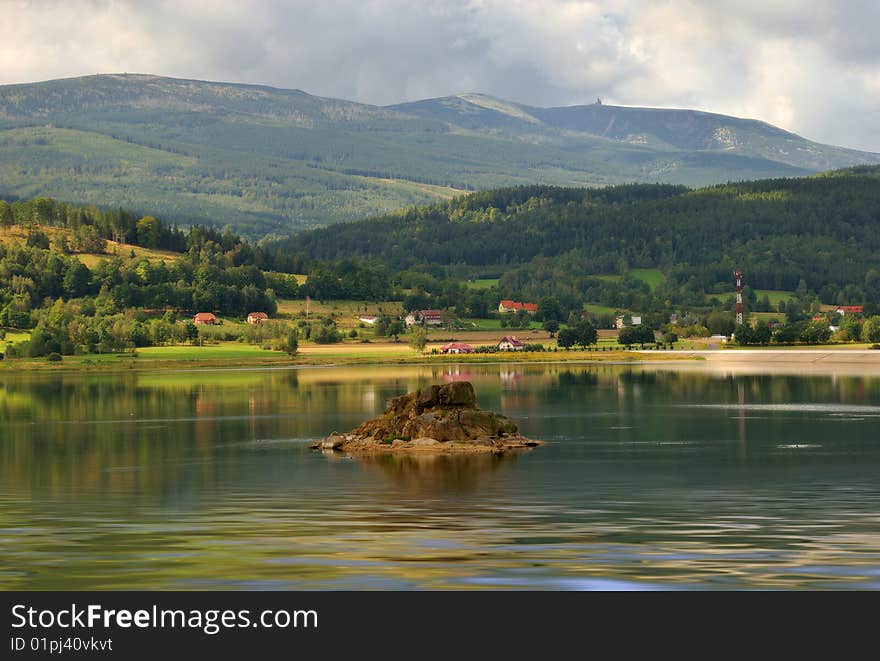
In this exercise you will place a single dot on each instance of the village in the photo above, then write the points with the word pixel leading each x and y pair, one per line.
pixel 518 326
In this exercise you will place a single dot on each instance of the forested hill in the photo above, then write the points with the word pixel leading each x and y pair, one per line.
pixel 821 232
pixel 268 160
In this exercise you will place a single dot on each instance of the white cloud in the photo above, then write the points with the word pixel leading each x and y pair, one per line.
pixel 808 66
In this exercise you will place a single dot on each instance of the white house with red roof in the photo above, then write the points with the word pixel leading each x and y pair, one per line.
pixel 456 347
pixel 509 343
pixel 844 310
pixel 206 318
pixel 507 305
pixel 426 317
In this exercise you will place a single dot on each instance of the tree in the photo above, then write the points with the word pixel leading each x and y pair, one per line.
pixel 761 333
pixel 192 332
pixel 148 229
pixel 76 279
pixel 815 332
pixel 291 346
pixel 630 335
pixel 586 334
pixel 419 338
pixel 551 326
pixel 871 330
pixel 744 335
pixel 549 309
pixel 720 323
pixel 567 338
pixel 395 328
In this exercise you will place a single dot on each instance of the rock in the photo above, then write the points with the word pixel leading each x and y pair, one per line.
pixel 458 393
pixel 332 442
pixel 428 397
pixel 445 417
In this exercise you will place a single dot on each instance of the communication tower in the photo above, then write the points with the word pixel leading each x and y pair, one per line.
pixel 739 297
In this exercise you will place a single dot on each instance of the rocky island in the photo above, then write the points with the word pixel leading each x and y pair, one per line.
pixel 440 419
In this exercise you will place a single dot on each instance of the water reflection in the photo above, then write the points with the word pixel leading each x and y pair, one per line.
pixel 652 477
pixel 426 474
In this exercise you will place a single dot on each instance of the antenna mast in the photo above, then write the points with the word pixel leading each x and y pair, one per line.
pixel 739 297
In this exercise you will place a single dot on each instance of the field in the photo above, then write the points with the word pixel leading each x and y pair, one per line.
pixel 775 295
pixel 653 277
pixel 495 325
pixel 345 313
pixel 19 234
pixel 600 309
pixel 222 351
pixel 13 336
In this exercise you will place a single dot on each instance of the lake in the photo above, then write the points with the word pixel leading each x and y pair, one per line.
pixel 652 478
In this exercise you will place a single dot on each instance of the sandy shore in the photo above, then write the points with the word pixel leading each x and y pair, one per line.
pixel 794 361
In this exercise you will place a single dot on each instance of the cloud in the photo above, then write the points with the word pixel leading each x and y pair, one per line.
pixel 812 67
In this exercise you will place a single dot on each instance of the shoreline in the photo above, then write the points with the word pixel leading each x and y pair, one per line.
pixel 736 360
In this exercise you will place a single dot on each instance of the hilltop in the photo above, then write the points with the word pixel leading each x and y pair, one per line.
pixel 637 246
pixel 269 160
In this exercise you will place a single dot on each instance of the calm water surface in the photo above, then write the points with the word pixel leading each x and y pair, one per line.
pixel 652 479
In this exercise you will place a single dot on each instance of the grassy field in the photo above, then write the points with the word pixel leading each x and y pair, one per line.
pixel 775 295
pixel 653 277
pixel 495 325
pixel 767 316
pixel 19 234
pixel 345 313
pixel 600 309
pixel 13 336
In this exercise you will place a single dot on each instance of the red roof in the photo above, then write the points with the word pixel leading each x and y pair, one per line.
pixel 430 313
pixel 258 315
pixel 460 346
pixel 511 340
pixel 204 316
pixel 851 308
pixel 516 305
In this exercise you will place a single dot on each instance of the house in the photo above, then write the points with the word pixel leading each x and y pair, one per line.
pixel 507 305
pixel 205 318
pixel 844 310
pixel 456 347
pixel 819 317
pixel 510 344
pixel 426 317
pixel 620 321
pixel 368 319
pixel 257 317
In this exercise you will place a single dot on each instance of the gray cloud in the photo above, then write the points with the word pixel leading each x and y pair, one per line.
pixel 812 67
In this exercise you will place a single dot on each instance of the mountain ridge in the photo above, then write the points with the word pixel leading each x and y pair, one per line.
pixel 273 160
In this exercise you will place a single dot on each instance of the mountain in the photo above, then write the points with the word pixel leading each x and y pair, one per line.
pixel 818 234
pixel 268 160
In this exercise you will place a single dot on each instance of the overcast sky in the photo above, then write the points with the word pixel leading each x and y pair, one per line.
pixel 810 66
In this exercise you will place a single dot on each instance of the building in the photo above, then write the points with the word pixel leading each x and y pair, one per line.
pixel 426 317
pixel 257 317
pixel 205 318
pixel 844 310
pixel 368 319
pixel 508 343
pixel 506 306
pixel 456 347
pixel 620 321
